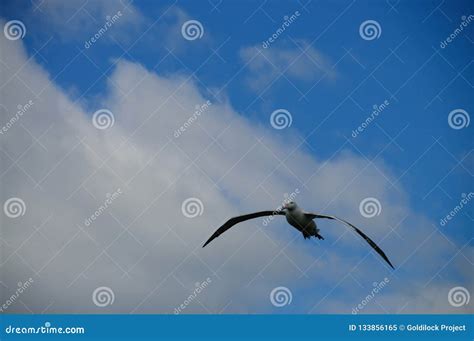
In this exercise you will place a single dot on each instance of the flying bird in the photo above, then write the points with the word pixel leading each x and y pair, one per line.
pixel 301 220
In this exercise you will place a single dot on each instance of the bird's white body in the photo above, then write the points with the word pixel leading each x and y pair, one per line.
pixel 300 220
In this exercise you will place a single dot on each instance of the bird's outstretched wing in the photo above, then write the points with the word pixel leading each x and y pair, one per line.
pixel 231 222
pixel 362 234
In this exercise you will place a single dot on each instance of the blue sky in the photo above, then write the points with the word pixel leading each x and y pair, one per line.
pixel 413 25
pixel 334 80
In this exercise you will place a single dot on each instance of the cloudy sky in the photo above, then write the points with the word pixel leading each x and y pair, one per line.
pixel 130 131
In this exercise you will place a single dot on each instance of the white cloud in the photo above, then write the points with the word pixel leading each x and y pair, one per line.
pixel 65 176
pixel 79 19
pixel 300 62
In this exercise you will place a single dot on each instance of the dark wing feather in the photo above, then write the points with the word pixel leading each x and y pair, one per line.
pixel 362 234
pixel 231 222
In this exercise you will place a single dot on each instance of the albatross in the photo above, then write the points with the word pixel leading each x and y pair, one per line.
pixel 299 219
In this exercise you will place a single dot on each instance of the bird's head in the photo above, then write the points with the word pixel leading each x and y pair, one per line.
pixel 290 206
